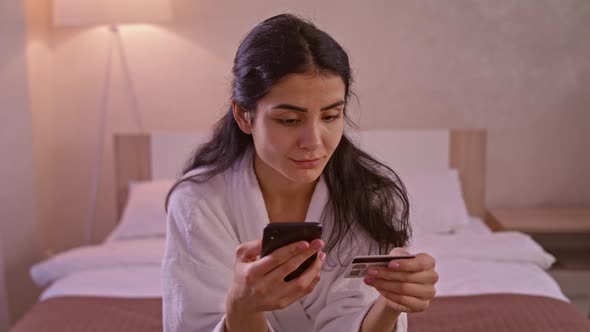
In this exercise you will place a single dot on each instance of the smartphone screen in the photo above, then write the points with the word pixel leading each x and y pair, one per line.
pixel 277 235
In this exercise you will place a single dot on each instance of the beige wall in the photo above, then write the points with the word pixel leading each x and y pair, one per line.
pixel 18 201
pixel 518 68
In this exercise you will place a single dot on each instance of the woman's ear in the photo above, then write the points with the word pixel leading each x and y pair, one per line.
pixel 242 118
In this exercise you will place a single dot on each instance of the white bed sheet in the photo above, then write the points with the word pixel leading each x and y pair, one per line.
pixel 471 261
pixel 513 263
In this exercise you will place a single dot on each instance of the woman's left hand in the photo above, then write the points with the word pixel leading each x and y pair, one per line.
pixel 405 285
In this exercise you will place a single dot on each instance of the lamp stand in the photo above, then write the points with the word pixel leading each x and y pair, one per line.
pixel 114 36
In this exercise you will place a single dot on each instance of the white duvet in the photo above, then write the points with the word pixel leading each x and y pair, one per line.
pixel 471 261
pixel 123 269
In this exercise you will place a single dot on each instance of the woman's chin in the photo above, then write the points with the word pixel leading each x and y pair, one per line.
pixel 307 176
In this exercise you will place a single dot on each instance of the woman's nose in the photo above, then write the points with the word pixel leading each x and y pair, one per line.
pixel 310 138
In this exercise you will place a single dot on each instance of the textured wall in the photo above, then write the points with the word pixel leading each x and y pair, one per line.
pixel 518 68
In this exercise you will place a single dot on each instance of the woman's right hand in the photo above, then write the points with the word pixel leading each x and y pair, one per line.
pixel 259 285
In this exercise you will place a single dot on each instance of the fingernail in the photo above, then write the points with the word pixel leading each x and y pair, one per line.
pixel 393 264
pixel 372 272
pixel 369 281
pixel 322 256
pixel 317 245
pixel 302 245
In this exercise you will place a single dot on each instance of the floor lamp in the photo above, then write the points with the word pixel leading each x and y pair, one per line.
pixel 112 14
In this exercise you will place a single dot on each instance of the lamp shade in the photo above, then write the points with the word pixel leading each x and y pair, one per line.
pixel 76 13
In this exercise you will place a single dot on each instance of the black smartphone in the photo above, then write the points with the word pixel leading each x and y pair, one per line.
pixel 280 234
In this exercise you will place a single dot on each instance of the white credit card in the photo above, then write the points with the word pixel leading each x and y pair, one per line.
pixel 360 264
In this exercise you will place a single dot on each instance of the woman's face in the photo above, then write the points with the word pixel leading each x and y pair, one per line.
pixel 298 125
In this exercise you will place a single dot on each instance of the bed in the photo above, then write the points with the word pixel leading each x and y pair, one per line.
pixel 488 281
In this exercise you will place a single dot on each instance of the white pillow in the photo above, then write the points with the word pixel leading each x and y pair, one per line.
pixel 436 206
pixel 144 214
pixel 436 201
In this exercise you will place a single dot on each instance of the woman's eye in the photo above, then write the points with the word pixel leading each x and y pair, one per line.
pixel 288 122
pixel 331 117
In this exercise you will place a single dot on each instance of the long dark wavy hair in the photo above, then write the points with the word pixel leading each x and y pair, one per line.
pixel 364 193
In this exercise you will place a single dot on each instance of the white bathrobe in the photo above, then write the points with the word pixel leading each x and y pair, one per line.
pixel 206 222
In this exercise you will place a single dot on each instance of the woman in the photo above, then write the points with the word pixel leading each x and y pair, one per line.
pixel 279 155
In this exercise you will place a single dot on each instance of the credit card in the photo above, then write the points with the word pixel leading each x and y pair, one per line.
pixel 360 264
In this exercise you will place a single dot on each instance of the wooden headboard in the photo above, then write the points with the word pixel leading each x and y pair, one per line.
pixel 466 153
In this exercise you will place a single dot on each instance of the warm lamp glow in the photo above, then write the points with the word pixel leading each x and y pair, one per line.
pixel 110 12
pixel 83 13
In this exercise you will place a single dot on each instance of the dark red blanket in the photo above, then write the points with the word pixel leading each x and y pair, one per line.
pixel 502 312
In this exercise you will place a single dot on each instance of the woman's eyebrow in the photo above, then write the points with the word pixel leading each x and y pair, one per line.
pixel 336 104
pixel 302 109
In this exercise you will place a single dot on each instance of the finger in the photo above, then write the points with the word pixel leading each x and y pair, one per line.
pixel 425 292
pixel 295 289
pixel 248 251
pixel 278 257
pixel 311 273
pixel 280 272
pixel 307 281
pixel 424 277
pixel 398 251
pixel 422 262
pixel 313 283
pixel 411 303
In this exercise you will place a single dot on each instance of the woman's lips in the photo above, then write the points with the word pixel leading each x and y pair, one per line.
pixel 307 163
